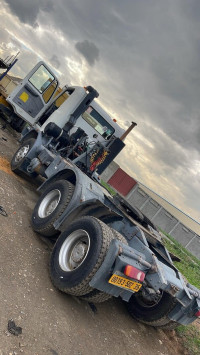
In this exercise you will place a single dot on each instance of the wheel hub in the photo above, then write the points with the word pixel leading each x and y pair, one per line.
pixel 51 207
pixel 74 250
pixel 49 203
pixel 148 300
pixel 78 252
pixel 21 153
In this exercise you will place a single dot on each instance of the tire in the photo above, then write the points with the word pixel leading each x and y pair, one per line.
pixel 51 204
pixel 170 325
pixel 71 272
pixel 119 236
pixel 20 155
pixel 151 313
pixel 97 296
pixel 17 124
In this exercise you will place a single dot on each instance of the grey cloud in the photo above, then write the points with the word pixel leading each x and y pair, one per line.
pixel 35 25
pixel 48 6
pixel 169 155
pixel 6 40
pixel 89 50
pixel 190 190
pixel 149 70
pixel 191 9
pixel 27 11
pixel 55 61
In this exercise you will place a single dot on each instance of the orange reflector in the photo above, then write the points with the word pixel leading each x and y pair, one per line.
pixel 114 120
pixel 134 273
pixel 197 314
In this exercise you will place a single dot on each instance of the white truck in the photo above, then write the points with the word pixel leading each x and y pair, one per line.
pixel 103 247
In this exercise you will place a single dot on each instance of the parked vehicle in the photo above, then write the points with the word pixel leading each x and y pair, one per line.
pixel 103 246
pixel 7 85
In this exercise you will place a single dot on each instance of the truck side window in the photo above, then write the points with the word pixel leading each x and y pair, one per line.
pixel 94 119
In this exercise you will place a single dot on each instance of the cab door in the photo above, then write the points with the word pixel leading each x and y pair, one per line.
pixel 34 94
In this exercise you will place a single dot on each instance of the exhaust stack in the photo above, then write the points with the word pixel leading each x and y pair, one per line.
pixel 133 124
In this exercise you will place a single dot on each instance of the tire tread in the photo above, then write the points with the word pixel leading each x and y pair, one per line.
pixel 97 296
pixel 50 231
pixel 157 322
pixel 83 288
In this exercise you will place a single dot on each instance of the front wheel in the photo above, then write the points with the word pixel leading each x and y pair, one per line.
pixel 78 254
pixel 20 155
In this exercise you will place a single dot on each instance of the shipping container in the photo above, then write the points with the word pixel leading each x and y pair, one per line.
pixel 122 182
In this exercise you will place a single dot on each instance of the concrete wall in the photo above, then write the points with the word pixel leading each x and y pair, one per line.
pixel 194 246
pixel 109 171
pixel 164 220
pixel 159 215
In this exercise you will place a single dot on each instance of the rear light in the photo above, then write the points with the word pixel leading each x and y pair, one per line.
pixel 134 273
pixel 198 314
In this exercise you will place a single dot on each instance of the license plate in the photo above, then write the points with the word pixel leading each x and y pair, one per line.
pixel 125 283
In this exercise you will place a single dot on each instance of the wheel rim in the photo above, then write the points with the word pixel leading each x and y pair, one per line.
pixel 74 250
pixel 148 303
pixel 49 203
pixel 22 152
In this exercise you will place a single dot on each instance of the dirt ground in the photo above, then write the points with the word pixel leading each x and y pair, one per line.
pixel 52 322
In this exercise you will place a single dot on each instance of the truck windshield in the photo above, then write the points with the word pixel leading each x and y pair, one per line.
pixel 99 123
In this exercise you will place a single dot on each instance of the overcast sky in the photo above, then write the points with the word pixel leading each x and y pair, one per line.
pixel 143 57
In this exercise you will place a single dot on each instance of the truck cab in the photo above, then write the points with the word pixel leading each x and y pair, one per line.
pixel 39 100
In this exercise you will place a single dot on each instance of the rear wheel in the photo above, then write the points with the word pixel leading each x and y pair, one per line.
pixel 50 206
pixel 97 296
pixel 152 312
pixel 78 254
pixel 20 155
pixel 119 236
